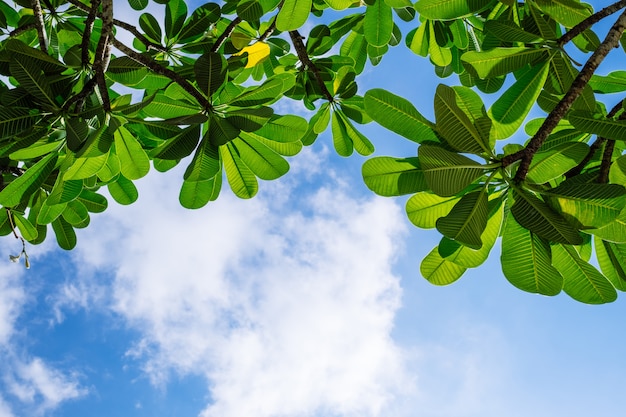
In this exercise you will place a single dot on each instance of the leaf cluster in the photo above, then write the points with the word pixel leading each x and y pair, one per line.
pixel 82 111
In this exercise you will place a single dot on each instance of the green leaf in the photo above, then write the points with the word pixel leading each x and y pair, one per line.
pixel 527 260
pixel 503 60
pixel 138 4
pixel 447 172
pixel 45 62
pixel 211 70
pixel 65 234
pixel 14 120
pixel 30 76
pixel 26 228
pixel 612 261
pixel 511 108
pixel 250 120
pixel 439 271
pixel 249 10
pixel 378 23
pixel 126 71
pixel 205 163
pixel 614 232
pixel 199 22
pixel 588 205
pixel 567 12
pixel 610 129
pixel 341 140
pixel 268 92
pixel 64 190
pixel 508 31
pixel 48 213
pixel 555 162
pixel 262 161
pixel 361 144
pixel 76 214
pixel 398 115
pixel 240 178
pixel 536 216
pixel 151 27
pixel 614 82
pixel 424 208
pixel 284 129
pixel 95 203
pixel 134 162
pixel 465 256
pixel 450 9
pixel 455 126
pixel 179 146
pixel 165 108
pixel 196 194
pixel 221 131
pixel 467 220
pixel 123 191
pixel 175 15
pixel 388 176
pixel 293 14
pixel 581 281
pixel 27 183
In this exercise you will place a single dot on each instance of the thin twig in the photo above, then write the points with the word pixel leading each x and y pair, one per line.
pixel 268 32
pixel 525 155
pixel 303 56
pixel 590 21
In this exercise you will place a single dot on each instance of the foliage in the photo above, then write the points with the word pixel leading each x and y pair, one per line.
pixel 81 109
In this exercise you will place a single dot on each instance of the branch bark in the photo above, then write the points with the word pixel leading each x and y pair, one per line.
pixel 226 34
pixel 525 155
pixel 590 21
pixel 40 25
pixel 303 56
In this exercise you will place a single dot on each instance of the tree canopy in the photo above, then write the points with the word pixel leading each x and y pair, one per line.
pixel 90 101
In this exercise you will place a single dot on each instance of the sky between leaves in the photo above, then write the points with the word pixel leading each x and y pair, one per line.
pixel 305 301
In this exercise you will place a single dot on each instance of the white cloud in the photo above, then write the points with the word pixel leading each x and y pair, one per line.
pixel 5 410
pixel 35 382
pixel 285 305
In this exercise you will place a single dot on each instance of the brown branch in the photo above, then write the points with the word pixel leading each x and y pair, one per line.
pixel 303 56
pixel 607 156
pixel 80 97
pixel 226 34
pixel 525 155
pixel 126 26
pixel 597 144
pixel 89 22
pixel 22 29
pixel 103 53
pixel 40 25
pixel 161 70
pixel 590 21
pixel 268 32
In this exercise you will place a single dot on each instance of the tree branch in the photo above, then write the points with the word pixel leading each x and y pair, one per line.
pixel 222 38
pixel 525 155
pixel 161 70
pixel 91 18
pixel 126 26
pixel 103 53
pixel 590 21
pixel 303 56
pixel 597 144
pixel 22 29
pixel 268 32
pixel 40 25
pixel 607 156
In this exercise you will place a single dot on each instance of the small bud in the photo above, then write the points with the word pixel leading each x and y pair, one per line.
pixel 15 258
pixel 26 261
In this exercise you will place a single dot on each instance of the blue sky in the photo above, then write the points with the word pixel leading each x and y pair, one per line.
pixel 305 301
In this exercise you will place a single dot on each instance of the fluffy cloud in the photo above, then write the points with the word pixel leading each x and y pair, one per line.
pixel 286 301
